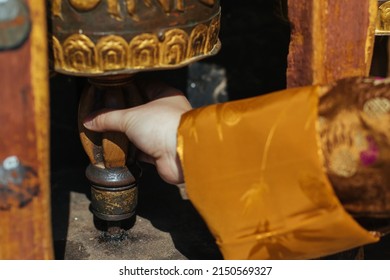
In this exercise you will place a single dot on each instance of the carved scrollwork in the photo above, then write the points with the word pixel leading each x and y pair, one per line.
pixel 198 40
pixel 214 28
pixel 84 5
pixel 56 8
pixel 58 53
pixel 79 53
pixel 174 48
pixel 114 7
pixel 384 13
pixel 383 22
pixel 144 51
pixel 112 53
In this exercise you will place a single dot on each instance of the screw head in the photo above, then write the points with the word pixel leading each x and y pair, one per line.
pixel 15 24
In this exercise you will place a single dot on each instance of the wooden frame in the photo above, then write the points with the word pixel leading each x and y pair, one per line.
pixel 330 40
pixel 25 220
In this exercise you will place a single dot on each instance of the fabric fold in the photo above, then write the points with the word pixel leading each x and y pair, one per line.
pixel 253 170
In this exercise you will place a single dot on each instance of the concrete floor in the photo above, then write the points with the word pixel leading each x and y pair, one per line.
pixel 166 226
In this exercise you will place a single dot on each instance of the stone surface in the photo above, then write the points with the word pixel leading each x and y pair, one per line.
pixel 166 227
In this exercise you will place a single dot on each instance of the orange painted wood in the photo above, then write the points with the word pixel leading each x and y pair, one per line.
pixel 330 40
pixel 25 229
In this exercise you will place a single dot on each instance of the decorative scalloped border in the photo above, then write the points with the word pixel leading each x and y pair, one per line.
pixel 111 54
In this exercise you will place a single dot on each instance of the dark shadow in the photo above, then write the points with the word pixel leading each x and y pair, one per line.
pixel 163 205
pixel 255 37
pixel 378 251
pixel 381 249
pixel 380 59
pixel 68 161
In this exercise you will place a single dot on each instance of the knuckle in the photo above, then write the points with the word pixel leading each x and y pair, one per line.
pixel 100 121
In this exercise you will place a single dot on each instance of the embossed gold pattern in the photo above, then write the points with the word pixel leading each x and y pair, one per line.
pixel 174 47
pixel 114 7
pixel 58 53
pixel 383 18
pixel 181 32
pixel 112 52
pixel 144 51
pixel 56 8
pixel 84 5
pixel 212 38
pixel 79 54
pixel 198 40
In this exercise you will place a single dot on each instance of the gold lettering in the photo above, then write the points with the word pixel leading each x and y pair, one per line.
pixel 132 9
pixel 148 3
pixel 131 6
pixel 114 6
pixel 384 14
pixel 179 5
pixel 56 8
pixel 84 5
pixel 166 5
pixel 114 9
pixel 58 54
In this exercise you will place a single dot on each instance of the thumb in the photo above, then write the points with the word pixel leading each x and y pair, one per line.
pixel 105 120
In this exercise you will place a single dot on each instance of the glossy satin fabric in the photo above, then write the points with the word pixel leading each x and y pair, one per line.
pixel 253 171
pixel 354 127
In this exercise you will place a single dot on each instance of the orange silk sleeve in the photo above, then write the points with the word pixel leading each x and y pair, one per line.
pixel 253 169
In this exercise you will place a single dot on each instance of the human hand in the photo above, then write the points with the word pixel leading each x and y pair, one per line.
pixel 151 127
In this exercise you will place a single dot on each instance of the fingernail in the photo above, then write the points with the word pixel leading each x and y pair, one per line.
pixel 88 122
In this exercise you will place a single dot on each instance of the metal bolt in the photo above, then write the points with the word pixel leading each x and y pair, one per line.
pixel 15 23
pixel 9 9
pixel 11 162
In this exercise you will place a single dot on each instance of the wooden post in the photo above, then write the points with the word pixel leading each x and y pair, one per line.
pixel 25 228
pixel 330 40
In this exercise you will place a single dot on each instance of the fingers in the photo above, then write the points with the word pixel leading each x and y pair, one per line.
pixel 141 156
pixel 105 120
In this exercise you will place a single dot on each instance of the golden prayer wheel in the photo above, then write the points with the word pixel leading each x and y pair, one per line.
pixel 383 18
pixel 97 37
pixel 108 41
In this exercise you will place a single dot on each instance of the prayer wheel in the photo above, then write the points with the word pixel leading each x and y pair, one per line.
pixel 109 41
pixel 383 18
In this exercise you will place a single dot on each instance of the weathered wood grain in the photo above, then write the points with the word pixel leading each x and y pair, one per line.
pixel 25 228
pixel 330 40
